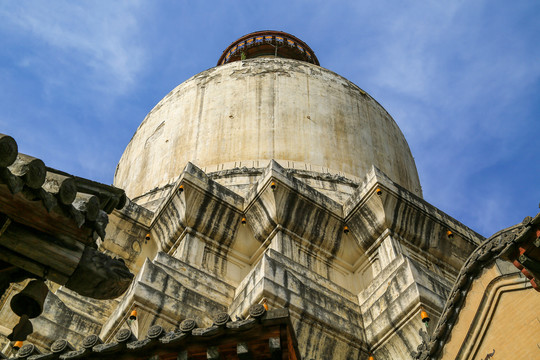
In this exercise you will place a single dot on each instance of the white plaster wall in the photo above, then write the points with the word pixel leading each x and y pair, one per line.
pixel 262 109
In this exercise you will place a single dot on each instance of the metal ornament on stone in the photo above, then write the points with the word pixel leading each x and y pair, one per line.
pixel 425 317
pixel 30 300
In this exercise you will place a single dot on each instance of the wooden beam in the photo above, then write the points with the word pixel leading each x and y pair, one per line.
pixel 42 248
pixel 10 267
pixel 242 350
pixel 212 353
pixel 275 348
pixel 63 221
pixel 31 266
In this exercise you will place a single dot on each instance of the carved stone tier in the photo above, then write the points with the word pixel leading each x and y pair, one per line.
pixel 353 274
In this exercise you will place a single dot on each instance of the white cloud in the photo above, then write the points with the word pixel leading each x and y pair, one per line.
pixel 454 76
pixel 93 39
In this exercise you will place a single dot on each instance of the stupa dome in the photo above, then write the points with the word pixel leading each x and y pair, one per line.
pixel 256 108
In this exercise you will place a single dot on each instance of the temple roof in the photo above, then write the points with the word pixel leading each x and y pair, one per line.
pixel 50 200
pixel 519 244
pixel 263 335
pixel 50 222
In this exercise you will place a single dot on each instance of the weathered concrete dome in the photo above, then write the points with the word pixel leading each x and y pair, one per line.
pixel 245 113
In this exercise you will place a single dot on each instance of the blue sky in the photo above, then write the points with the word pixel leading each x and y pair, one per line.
pixel 461 79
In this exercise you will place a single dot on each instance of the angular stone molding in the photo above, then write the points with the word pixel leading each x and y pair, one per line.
pixel 314 302
pixel 196 202
pixel 278 199
pixel 167 291
pixel 380 204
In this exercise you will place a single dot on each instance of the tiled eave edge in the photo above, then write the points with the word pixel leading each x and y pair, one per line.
pixel 501 245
